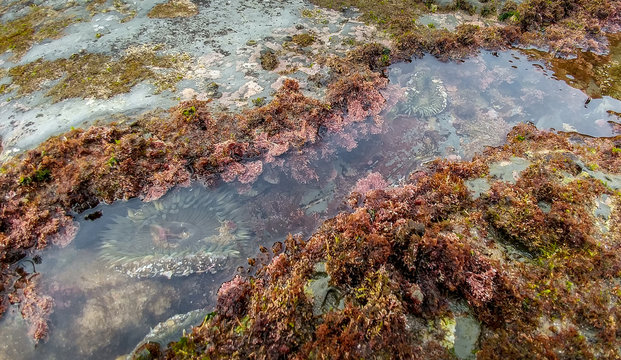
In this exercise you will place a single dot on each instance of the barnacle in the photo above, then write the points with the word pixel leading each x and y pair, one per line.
pixel 188 231
pixel 425 96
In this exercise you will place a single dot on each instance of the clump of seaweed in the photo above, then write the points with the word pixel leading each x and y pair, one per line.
pixel 184 233
pixel 34 307
pixel 303 40
pixel 269 61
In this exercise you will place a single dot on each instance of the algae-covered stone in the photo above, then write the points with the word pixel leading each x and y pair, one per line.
pixel 38 24
pixel 97 75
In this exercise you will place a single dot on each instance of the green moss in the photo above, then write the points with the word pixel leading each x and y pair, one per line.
pixel 189 112
pixel 38 176
pixel 101 6
pixel 173 9
pixel 98 76
pixel 260 101
pixel 39 24
pixel 303 40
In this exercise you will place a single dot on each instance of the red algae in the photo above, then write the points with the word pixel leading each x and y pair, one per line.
pixel 539 279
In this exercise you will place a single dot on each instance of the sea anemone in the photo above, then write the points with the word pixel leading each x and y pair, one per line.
pixel 425 96
pixel 188 231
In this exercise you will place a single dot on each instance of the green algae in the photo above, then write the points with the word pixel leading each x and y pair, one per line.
pixel 173 9
pixel 97 75
pixel 39 24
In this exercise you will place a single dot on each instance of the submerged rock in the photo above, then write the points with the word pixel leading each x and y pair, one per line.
pixel 165 332
pixel 325 297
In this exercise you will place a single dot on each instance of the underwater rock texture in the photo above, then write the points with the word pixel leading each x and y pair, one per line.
pixel 530 259
pixel 188 231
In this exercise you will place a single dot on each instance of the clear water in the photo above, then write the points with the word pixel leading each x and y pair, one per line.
pixel 102 313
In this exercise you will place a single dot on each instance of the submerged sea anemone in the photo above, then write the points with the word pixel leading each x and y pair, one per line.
pixel 425 96
pixel 190 231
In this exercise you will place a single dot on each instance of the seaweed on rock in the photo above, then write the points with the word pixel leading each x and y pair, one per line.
pixel 404 256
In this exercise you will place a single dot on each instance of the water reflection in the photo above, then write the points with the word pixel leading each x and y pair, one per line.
pixel 596 75
pixel 434 109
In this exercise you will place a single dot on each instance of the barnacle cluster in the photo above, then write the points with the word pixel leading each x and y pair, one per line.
pixel 425 96
pixel 190 231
